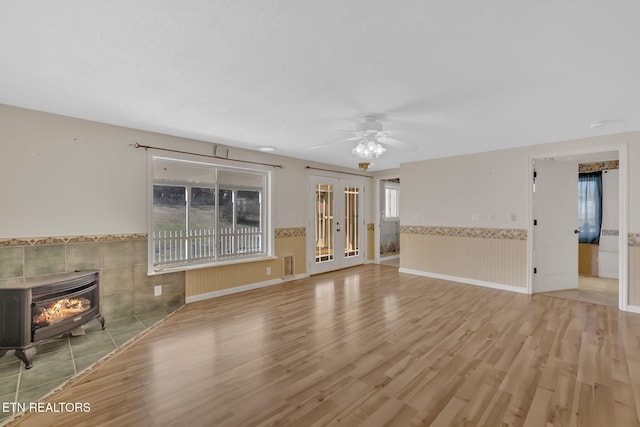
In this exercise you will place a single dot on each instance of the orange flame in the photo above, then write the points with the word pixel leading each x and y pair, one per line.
pixel 63 308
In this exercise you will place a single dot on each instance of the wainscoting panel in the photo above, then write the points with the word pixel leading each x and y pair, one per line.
pixel 371 244
pixel 208 280
pixel 296 246
pixel 634 275
pixel 587 259
pixel 205 280
pixel 494 260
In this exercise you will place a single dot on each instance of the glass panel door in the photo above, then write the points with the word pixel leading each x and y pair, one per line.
pixel 324 240
pixel 336 239
pixel 351 215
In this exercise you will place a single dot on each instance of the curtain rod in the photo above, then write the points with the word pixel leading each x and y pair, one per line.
pixel 347 173
pixel 136 145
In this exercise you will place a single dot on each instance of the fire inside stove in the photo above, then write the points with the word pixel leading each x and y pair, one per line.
pixel 60 310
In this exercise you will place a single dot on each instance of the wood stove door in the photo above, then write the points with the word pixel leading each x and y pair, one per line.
pixel 62 312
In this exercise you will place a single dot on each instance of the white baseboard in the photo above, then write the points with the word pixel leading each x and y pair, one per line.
pixel 633 308
pixel 521 290
pixel 243 288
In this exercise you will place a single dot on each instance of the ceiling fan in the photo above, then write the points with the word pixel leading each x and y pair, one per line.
pixel 371 138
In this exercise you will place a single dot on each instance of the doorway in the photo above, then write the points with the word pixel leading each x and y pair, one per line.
pixel 553 248
pixel 389 225
pixel 337 237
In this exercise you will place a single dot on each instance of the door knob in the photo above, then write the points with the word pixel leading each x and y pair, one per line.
pixel 576 231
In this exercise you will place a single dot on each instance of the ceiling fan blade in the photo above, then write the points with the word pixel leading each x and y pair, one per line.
pixel 315 147
pixel 359 134
pixel 394 142
pixel 415 106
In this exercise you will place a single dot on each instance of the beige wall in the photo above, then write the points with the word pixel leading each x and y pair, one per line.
pixel 490 190
pixel 70 177
pixel 451 190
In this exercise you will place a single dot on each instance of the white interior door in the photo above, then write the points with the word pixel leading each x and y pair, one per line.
pixel 337 223
pixel 555 237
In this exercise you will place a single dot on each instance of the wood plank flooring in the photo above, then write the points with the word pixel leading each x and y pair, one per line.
pixel 370 346
pixel 596 290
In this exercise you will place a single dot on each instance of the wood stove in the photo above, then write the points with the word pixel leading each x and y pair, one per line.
pixel 44 308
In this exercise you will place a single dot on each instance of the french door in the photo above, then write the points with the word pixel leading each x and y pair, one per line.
pixel 337 223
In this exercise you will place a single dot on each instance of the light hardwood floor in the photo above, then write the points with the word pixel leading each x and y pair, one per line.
pixel 393 262
pixel 596 290
pixel 370 346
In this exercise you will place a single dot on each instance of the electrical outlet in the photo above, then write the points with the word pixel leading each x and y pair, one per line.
pixel 268 271
pixel 157 290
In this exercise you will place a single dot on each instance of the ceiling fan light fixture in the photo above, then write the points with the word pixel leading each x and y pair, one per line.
pixel 367 150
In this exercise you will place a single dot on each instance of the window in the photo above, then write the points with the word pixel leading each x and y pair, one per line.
pixel 205 214
pixel 589 207
pixel 391 201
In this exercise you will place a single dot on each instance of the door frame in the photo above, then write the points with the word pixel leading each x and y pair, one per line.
pixel 310 244
pixel 623 247
pixel 377 218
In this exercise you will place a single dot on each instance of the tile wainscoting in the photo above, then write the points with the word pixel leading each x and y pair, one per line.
pixel 121 259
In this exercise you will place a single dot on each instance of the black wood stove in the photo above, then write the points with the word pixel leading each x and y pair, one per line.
pixel 43 308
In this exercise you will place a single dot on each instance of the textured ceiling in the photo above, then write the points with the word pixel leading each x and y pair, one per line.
pixel 447 77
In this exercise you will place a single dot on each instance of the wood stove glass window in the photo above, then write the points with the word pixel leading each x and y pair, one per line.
pixel 55 307
pixel 206 214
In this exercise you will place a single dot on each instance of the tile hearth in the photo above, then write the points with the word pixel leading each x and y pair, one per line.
pixel 63 358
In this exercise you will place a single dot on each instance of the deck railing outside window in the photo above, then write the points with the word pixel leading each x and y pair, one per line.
pixel 205 214
pixel 173 247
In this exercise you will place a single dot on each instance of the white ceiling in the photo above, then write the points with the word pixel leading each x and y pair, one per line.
pixel 448 77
